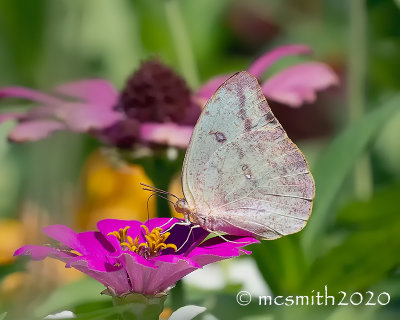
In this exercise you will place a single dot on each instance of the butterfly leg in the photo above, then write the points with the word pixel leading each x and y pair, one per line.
pixel 188 236
pixel 185 222
pixel 168 222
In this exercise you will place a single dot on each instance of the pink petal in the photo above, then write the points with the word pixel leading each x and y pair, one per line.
pixel 83 117
pixel 208 89
pixel 64 235
pixel 10 116
pixel 34 130
pixel 216 249
pixel 158 276
pixel 298 84
pixel 42 252
pixel 116 279
pixel 260 65
pixel 167 134
pixel 93 91
pixel 170 270
pixel 25 93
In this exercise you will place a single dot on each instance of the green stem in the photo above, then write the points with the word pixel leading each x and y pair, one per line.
pixel 181 42
pixel 178 295
pixel 136 306
pixel 363 183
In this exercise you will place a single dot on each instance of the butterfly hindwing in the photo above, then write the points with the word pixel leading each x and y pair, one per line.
pixel 242 169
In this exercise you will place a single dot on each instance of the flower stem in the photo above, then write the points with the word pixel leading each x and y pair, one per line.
pixel 181 42
pixel 363 184
pixel 178 295
pixel 138 306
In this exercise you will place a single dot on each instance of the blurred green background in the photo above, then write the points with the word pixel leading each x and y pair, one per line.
pixel 351 137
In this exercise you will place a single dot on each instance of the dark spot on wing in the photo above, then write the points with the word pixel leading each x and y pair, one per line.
pixel 219 136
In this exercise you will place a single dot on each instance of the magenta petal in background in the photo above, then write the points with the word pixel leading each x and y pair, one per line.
pixel 298 84
pixel 34 130
pixel 95 91
pixel 260 65
pixel 166 133
pixel 25 93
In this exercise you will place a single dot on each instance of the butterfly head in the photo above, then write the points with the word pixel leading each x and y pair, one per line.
pixel 181 206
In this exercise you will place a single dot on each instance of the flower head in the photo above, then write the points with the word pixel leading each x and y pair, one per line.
pixel 129 256
pixel 154 108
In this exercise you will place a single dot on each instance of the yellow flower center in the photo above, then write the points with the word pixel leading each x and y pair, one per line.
pixel 155 241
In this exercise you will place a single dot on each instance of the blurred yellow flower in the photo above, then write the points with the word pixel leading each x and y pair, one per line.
pixel 111 189
pixel 175 188
pixel 11 230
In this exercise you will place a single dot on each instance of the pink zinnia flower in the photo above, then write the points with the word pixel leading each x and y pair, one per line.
pixel 129 256
pixel 293 86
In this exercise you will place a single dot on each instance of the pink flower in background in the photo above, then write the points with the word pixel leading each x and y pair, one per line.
pixel 293 86
pixel 81 106
pixel 156 106
pixel 129 256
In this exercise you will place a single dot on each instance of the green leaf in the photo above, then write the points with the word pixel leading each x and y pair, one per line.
pixel 282 264
pixel 369 253
pixel 335 165
pixel 3 316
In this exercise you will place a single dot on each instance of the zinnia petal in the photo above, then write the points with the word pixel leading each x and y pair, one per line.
pixel 298 84
pixel 260 65
pixel 117 280
pixel 41 252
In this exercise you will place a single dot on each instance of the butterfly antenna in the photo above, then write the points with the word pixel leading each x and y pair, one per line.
pixel 157 190
pixel 148 212
pixel 225 239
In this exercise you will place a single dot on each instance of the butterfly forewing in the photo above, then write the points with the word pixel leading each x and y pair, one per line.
pixel 241 168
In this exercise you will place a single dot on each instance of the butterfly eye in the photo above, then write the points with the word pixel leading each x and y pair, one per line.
pixel 181 206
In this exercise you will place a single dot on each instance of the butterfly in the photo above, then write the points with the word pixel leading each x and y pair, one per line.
pixel 241 174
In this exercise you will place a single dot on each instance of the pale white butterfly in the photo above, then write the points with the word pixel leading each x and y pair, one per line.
pixel 242 175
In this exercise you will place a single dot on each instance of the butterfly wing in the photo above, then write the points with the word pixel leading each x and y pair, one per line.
pixel 241 170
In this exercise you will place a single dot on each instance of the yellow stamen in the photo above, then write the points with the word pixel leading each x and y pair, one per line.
pixel 155 242
pixel 120 234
